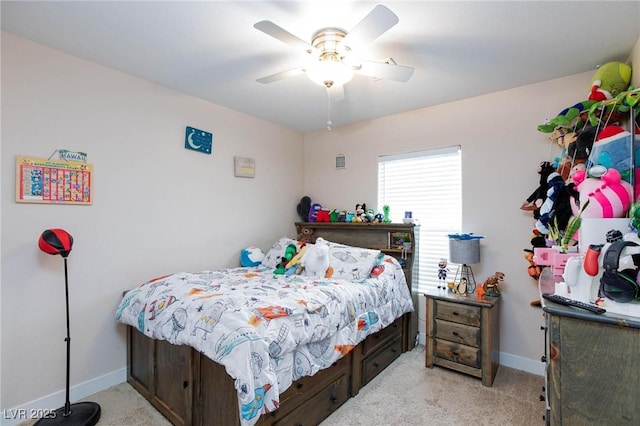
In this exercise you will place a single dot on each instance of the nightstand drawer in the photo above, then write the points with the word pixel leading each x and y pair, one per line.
pixel 458 312
pixel 458 333
pixel 457 353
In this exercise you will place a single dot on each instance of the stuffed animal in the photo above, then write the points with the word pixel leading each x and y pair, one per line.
pixel 609 195
pixel 289 253
pixel 369 215
pixel 251 257
pixel 534 270
pixel 316 259
pixel 294 267
pixel 386 211
pixel 578 147
pixel 306 236
pixel 537 197
pixel 303 208
pixel 610 79
pixel 574 116
pixel 360 209
pixel 323 215
pixel 612 149
pixel 555 184
pixel 313 212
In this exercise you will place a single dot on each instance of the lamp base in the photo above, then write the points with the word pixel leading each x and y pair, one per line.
pixel 81 414
pixel 465 271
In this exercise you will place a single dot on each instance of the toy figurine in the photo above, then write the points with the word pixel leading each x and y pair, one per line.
pixel 385 210
pixel 442 274
pixel 490 286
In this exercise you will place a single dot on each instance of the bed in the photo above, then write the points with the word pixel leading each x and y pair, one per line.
pixel 249 346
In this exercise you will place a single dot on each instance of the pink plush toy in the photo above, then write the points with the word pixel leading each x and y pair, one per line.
pixel 609 195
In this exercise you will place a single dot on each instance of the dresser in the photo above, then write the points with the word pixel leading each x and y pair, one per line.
pixel 462 333
pixel 592 364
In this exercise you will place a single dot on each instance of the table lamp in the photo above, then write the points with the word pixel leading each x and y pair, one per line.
pixel 465 252
pixel 58 241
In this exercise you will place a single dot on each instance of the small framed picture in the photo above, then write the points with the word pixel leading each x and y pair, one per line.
pixel 244 167
pixel 398 239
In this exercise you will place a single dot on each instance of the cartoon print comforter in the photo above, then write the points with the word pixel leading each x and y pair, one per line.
pixel 267 330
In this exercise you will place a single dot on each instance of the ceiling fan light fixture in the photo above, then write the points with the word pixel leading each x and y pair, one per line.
pixel 330 73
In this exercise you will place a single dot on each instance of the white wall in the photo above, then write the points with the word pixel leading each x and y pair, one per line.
pixel 158 208
pixel 501 150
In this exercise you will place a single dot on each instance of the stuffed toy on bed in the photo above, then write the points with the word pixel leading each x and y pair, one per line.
pixel 251 257
pixel 316 259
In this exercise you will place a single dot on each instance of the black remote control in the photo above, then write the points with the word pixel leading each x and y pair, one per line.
pixel 570 302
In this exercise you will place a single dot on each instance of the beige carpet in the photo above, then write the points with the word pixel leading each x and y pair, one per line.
pixel 405 393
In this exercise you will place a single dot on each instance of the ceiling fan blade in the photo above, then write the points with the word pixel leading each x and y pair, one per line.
pixel 384 70
pixel 281 75
pixel 284 36
pixel 372 26
pixel 336 93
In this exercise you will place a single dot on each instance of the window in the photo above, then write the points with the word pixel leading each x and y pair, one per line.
pixel 428 184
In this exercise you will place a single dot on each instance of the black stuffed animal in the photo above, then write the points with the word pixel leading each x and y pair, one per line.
pixel 303 208
pixel 535 200
pixel 579 150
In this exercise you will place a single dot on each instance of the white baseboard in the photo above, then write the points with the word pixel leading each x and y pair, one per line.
pixel 511 361
pixel 30 410
pixel 525 364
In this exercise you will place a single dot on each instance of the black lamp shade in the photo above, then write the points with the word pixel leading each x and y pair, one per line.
pixel 56 241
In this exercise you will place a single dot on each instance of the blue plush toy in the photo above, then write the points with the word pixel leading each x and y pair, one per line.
pixel 251 257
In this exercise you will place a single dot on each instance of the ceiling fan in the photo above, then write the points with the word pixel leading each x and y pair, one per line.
pixel 332 61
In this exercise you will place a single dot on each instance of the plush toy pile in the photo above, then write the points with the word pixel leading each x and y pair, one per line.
pixel 315 212
pixel 591 176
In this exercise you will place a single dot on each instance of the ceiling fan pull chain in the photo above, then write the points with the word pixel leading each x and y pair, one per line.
pixel 329 123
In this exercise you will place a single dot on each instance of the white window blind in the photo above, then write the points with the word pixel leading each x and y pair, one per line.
pixel 428 184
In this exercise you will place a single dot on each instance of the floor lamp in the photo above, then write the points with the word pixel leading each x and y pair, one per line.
pixel 58 241
pixel 464 253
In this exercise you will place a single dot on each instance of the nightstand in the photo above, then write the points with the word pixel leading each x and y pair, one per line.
pixel 463 334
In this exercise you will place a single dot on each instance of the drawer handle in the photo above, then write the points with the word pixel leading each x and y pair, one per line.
pixel 333 399
pixel 185 384
pixel 456 354
pixel 375 365
pixel 455 333
pixel 455 313
pixel 299 386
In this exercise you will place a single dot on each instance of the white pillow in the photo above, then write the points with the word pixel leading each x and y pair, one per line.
pixel 275 253
pixel 351 263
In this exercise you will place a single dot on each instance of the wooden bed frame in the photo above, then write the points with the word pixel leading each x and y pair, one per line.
pixel 190 389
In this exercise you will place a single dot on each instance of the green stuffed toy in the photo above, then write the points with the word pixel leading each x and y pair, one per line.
pixel 568 118
pixel 289 253
pixel 611 79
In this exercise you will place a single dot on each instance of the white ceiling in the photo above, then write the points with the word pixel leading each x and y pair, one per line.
pixel 212 51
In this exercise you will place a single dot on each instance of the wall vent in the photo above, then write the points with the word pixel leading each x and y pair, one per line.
pixel 341 161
